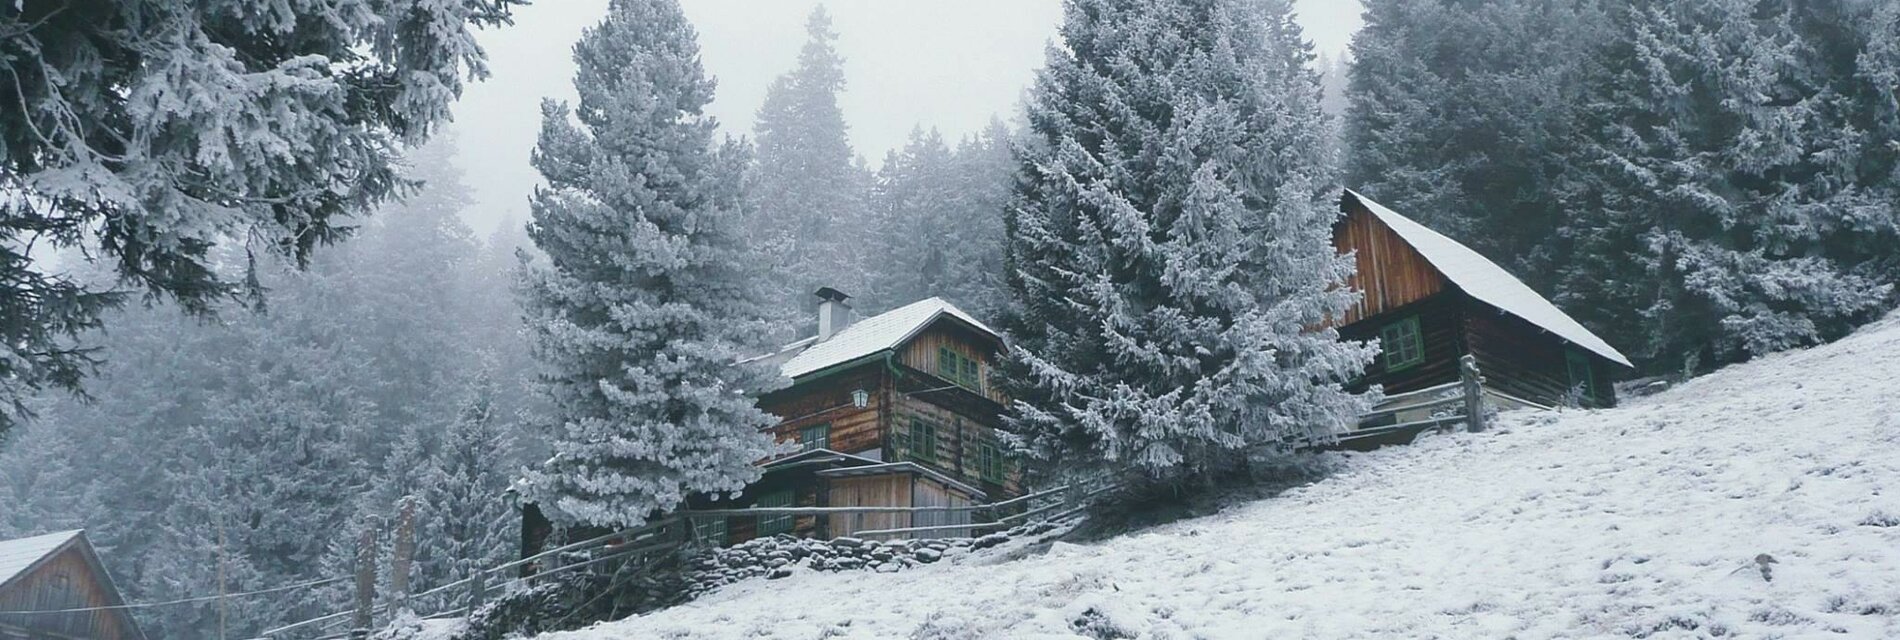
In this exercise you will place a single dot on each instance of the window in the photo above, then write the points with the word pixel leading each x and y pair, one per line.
pixel 1402 343
pixel 1581 375
pixel 710 531
pixel 918 443
pixel 989 461
pixel 959 369
pixel 817 436
pixel 773 525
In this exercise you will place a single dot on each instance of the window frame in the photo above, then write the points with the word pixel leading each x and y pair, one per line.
pixel 1573 360
pixel 959 369
pixel 713 531
pixel 989 461
pixel 921 440
pixel 774 525
pixel 1387 353
pixel 805 440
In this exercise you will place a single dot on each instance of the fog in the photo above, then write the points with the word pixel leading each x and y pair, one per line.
pixel 949 64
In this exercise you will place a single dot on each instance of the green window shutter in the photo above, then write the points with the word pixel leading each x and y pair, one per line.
pixel 817 436
pixel 710 531
pixel 971 378
pixel 990 461
pixel 923 440
pixel 773 525
pixel 1403 344
pixel 946 364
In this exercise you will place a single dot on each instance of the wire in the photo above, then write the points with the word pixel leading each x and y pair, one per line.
pixel 142 605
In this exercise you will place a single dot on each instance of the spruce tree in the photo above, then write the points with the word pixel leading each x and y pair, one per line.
pixel 1717 202
pixel 1171 269
pixel 647 296
pixel 1462 115
pixel 813 216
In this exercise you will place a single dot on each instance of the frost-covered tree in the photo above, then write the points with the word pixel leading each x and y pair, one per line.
pixel 1462 115
pixel 1170 261
pixel 939 220
pixel 1723 204
pixel 467 516
pixel 648 295
pixel 262 442
pixel 811 190
pixel 144 133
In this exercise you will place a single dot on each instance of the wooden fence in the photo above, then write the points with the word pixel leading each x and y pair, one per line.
pixel 634 547
pixel 1400 414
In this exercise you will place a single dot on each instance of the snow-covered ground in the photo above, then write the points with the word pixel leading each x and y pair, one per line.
pixel 1643 521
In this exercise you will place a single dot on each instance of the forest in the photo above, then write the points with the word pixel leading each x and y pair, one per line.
pixel 222 363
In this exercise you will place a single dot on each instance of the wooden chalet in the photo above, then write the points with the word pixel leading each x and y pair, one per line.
pixel 59 572
pixel 895 410
pixel 1430 300
pixel 892 410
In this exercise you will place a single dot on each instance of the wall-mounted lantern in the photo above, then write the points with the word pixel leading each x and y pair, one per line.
pixel 860 398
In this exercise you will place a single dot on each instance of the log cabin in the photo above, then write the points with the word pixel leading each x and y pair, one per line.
pixel 59 572
pixel 895 410
pixel 1429 300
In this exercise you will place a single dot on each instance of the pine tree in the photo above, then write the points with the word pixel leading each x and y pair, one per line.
pixel 145 134
pixel 1169 244
pixel 810 189
pixel 647 296
pixel 1714 204
pixel 466 515
pixel 1462 115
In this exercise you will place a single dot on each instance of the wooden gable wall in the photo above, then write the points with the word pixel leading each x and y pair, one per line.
pixel 922 351
pixel 68 580
pixel 1391 273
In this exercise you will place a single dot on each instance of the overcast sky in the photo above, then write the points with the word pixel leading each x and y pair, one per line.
pixel 951 64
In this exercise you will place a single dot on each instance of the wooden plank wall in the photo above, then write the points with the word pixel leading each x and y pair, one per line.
pixel 883 491
pixel 1391 273
pixel 926 492
pixel 1443 331
pixel 66 581
pixel 921 352
pixel 958 434
pixel 1523 360
pixel 828 400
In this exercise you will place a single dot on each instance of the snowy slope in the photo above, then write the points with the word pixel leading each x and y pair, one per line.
pixel 1643 521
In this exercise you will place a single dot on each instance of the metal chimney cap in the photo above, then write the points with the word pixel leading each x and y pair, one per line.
pixel 831 294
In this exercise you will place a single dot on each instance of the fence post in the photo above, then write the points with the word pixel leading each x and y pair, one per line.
pixel 405 553
pixel 365 582
pixel 477 590
pixel 1473 386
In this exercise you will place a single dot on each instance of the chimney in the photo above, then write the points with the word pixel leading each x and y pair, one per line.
pixel 833 314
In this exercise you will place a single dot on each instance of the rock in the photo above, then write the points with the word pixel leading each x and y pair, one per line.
pixel 781 572
pixel 848 542
pixel 886 567
pixel 928 555
pixel 990 540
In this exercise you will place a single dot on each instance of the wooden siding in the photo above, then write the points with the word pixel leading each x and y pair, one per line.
pixel 1441 330
pixel 1522 360
pixel 65 581
pixel 881 491
pixel 959 431
pixel 1391 273
pixel 828 401
pixel 921 352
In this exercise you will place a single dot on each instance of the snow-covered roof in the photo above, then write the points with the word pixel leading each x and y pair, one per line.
pixel 1488 282
pixel 16 556
pixel 871 335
